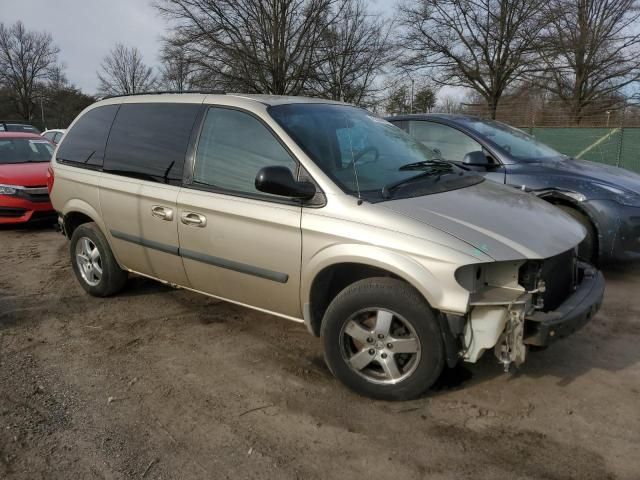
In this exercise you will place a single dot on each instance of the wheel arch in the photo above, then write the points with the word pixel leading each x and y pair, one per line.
pixel 333 269
pixel 571 200
pixel 76 212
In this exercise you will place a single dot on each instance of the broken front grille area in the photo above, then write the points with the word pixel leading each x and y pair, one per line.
pixel 560 277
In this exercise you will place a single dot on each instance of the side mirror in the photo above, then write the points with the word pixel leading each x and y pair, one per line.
pixel 280 181
pixel 477 159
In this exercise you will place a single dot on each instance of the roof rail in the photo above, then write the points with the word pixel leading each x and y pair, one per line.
pixel 160 92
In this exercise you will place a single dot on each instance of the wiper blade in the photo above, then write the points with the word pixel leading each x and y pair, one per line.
pixel 427 168
pixel 387 189
pixel 431 164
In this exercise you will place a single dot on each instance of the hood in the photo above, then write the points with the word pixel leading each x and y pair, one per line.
pixel 502 222
pixel 597 172
pixel 32 174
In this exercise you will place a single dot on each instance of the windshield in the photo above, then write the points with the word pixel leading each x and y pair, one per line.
pixel 364 154
pixel 23 150
pixel 19 127
pixel 513 141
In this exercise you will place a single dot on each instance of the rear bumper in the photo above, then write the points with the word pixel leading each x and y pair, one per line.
pixel 543 328
pixel 16 210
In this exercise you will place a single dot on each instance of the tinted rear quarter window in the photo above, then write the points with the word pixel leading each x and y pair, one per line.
pixel 86 141
pixel 149 140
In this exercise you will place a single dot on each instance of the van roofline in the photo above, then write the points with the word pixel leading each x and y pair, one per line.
pixel 265 99
pixel 164 92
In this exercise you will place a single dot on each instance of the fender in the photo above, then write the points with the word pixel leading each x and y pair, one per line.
pixel 80 206
pixel 576 200
pixel 441 295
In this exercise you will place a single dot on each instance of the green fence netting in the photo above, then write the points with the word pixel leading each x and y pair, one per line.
pixel 614 146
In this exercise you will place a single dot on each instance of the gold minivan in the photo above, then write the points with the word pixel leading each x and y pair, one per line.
pixel 322 213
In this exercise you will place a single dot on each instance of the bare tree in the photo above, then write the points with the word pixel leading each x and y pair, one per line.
pixel 252 45
pixel 123 72
pixel 355 50
pixel 449 104
pixel 592 52
pixel 26 59
pixel 178 70
pixel 485 45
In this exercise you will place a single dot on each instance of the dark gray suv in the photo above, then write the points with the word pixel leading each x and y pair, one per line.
pixel 605 199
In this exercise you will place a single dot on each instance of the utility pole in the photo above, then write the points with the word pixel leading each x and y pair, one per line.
pixel 42 111
pixel 412 82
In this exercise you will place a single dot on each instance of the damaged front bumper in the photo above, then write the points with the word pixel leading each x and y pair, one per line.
pixel 543 328
pixel 507 318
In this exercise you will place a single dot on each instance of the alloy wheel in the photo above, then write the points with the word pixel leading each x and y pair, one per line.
pixel 380 345
pixel 89 261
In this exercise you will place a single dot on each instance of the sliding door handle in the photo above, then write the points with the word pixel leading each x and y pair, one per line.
pixel 193 219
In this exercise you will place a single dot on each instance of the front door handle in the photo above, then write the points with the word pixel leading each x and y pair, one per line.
pixel 193 219
pixel 162 213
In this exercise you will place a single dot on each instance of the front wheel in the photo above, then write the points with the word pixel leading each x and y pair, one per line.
pixel 382 339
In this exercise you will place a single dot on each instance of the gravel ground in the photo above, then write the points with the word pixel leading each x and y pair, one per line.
pixel 161 383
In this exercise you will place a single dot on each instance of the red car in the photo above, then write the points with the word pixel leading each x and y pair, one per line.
pixel 24 160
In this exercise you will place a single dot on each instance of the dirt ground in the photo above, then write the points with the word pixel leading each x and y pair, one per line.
pixel 159 383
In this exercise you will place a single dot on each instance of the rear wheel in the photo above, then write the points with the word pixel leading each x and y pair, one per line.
pixel 587 250
pixel 93 262
pixel 382 339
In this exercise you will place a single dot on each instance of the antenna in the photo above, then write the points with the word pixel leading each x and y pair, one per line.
pixel 353 162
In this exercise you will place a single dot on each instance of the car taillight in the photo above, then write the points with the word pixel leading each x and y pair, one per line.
pixel 50 179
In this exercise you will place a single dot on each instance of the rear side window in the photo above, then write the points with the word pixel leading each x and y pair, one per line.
pixel 85 142
pixel 448 142
pixel 149 141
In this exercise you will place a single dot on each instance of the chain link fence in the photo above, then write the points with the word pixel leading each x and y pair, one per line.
pixel 606 132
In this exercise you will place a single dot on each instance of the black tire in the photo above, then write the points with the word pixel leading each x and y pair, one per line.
pixel 112 278
pixel 588 249
pixel 406 305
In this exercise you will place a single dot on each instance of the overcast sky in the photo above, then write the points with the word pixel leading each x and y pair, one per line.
pixel 85 30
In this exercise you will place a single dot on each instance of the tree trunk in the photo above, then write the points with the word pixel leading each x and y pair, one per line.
pixel 577 110
pixel 492 104
pixel 24 108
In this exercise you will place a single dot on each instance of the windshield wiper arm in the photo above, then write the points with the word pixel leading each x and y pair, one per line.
pixel 428 168
pixel 387 189
pixel 431 164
